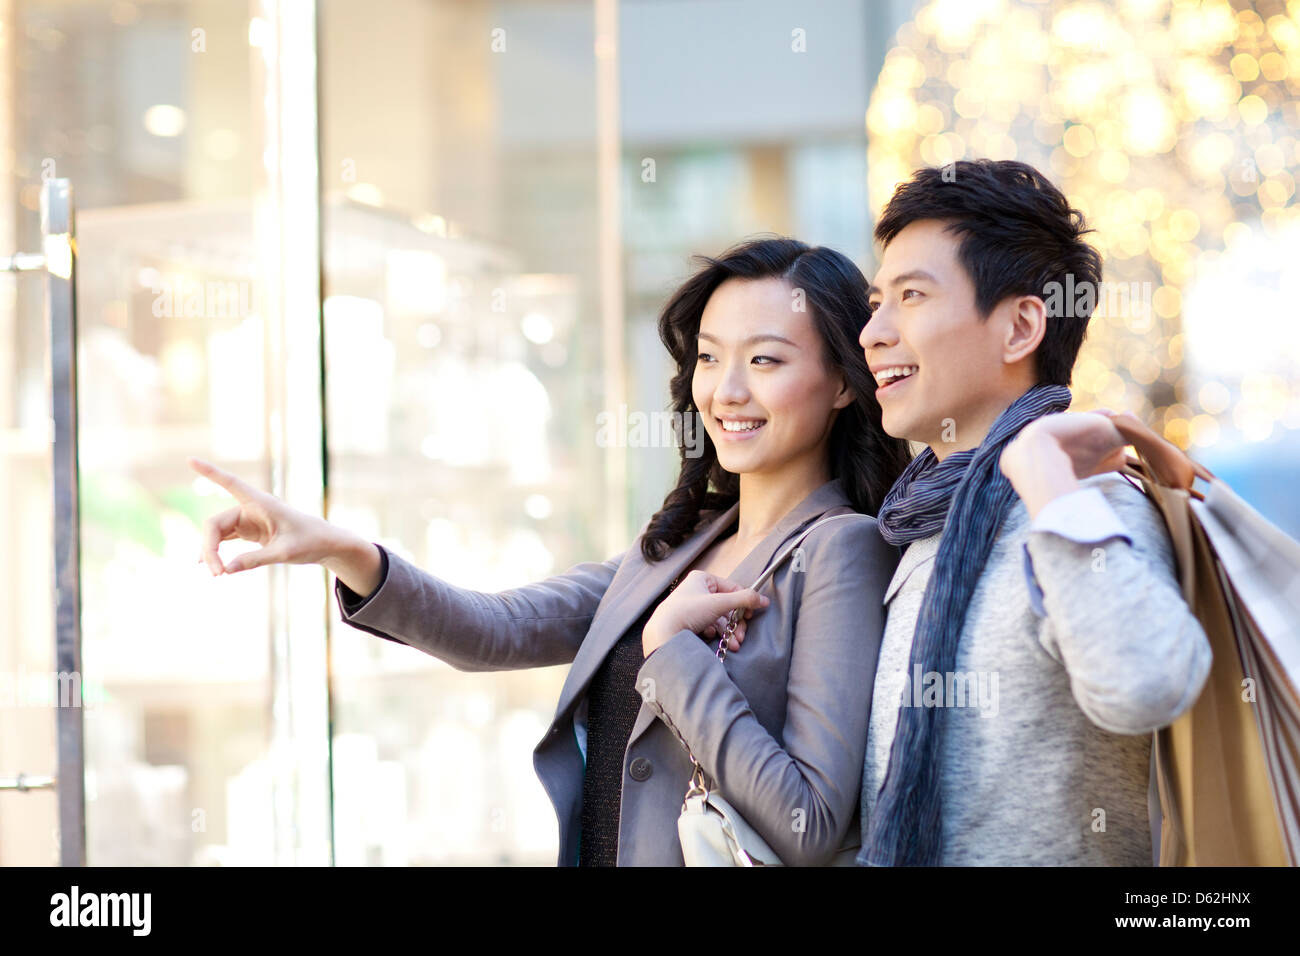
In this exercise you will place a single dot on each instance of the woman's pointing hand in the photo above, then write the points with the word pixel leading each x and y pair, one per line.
pixel 287 536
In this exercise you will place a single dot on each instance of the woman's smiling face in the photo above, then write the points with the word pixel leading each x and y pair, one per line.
pixel 760 370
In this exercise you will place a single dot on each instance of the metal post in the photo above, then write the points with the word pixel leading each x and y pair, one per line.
pixel 60 249
pixel 609 248
pixel 287 227
pixel 58 259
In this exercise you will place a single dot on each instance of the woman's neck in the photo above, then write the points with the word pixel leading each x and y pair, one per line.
pixel 767 498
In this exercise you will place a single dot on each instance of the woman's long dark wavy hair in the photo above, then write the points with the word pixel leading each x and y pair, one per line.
pixel 862 456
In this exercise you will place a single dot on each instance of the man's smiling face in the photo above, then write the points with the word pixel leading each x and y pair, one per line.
pixel 941 369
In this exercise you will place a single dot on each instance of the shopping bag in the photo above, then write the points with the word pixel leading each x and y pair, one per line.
pixel 1228 769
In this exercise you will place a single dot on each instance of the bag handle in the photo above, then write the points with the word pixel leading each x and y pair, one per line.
pixel 1165 475
pixel 1162 460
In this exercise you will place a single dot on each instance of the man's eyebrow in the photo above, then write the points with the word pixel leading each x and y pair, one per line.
pixel 761 337
pixel 912 276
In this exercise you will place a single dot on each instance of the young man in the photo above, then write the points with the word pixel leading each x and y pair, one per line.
pixel 1036 633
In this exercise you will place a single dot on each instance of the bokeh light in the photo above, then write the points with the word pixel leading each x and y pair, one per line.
pixel 1172 125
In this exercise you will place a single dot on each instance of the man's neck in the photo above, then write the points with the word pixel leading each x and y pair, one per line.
pixel 970 428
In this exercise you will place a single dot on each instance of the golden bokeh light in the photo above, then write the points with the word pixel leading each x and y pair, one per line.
pixel 1169 123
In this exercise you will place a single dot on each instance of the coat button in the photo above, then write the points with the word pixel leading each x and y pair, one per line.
pixel 641 769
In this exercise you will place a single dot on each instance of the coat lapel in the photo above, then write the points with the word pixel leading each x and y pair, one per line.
pixel 823 499
pixel 643 582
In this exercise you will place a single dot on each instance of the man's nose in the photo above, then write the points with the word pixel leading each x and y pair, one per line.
pixel 878 332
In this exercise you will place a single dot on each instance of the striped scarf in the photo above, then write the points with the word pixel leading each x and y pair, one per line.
pixel 965 496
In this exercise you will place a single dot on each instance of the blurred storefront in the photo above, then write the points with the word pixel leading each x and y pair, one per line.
pixel 390 261
pixel 460 220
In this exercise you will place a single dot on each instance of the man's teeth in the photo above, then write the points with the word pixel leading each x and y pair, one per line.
pixel 740 426
pixel 887 375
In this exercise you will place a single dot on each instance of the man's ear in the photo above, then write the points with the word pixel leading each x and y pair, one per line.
pixel 1026 326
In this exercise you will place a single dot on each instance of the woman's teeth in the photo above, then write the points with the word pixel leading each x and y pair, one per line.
pixel 741 426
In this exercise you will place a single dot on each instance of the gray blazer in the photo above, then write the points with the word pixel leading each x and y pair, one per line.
pixel 780 726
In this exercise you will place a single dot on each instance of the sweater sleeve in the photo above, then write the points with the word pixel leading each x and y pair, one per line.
pixel 1100 567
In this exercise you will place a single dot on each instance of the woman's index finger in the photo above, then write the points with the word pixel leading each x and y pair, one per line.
pixel 241 489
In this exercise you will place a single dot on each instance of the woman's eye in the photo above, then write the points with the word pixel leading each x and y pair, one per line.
pixel 703 356
pixel 768 358
pixel 906 291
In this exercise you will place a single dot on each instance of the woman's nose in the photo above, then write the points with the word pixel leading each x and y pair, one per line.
pixel 732 386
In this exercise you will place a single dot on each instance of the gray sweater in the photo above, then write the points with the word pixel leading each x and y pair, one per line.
pixel 1076 646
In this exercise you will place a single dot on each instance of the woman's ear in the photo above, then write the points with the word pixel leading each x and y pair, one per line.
pixel 844 397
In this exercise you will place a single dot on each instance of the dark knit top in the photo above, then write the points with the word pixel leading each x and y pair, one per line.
pixel 613 702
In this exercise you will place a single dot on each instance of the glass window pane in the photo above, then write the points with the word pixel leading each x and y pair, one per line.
pixel 462 375
pixel 151 112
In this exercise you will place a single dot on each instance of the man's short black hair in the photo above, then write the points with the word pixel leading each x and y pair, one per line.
pixel 1018 237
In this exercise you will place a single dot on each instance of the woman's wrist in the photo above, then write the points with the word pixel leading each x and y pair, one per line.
pixel 356 562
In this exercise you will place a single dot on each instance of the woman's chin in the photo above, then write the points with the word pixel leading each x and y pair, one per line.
pixel 736 464
pixel 742 464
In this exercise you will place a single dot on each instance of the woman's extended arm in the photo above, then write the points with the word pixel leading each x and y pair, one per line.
pixel 801 797
pixel 531 626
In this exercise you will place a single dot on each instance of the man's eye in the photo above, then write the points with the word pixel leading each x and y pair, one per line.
pixel 906 291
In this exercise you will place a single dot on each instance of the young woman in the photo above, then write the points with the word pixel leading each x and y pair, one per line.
pixel 764 339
